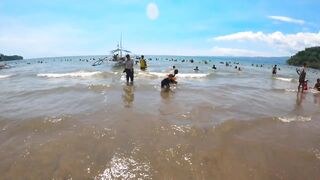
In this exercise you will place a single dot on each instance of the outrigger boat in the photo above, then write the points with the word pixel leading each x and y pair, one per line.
pixel 116 56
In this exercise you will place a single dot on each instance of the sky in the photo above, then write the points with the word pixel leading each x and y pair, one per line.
pixel 43 28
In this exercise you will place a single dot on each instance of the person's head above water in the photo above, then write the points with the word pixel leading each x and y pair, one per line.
pixel 175 72
pixel 142 56
pixel 173 67
pixel 128 57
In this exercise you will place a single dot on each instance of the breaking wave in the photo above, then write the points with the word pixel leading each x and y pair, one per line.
pixel 287 119
pixel 81 74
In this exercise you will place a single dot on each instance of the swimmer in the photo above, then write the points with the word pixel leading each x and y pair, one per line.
pixel 214 67
pixel 196 69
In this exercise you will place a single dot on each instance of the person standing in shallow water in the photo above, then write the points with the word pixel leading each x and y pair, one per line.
pixel 143 63
pixel 274 70
pixel 129 69
pixel 302 76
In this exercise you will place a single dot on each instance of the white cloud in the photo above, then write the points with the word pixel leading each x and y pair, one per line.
pixel 287 19
pixel 152 11
pixel 218 51
pixel 288 43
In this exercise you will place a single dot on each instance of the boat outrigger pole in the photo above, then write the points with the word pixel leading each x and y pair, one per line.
pixel 115 53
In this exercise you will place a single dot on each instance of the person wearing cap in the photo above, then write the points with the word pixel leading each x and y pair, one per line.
pixel 129 69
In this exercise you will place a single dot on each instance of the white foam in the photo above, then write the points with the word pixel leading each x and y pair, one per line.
pixel 180 75
pixel 284 79
pixel 192 75
pixel 314 91
pixel 72 74
pixel 5 76
pixel 291 90
pixel 294 119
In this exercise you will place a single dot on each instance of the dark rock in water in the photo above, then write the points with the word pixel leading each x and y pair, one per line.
pixel 10 58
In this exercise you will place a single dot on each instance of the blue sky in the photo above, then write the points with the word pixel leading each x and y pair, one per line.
pixel 38 28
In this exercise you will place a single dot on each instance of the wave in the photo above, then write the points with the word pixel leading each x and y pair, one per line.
pixel 5 76
pixel 285 79
pixel 284 90
pixel 313 91
pixel 71 74
pixel 180 75
pixel 294 119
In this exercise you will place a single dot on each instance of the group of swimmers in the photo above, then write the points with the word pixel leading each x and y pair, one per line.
pixel 171 79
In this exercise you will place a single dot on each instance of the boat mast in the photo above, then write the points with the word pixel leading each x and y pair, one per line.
pixel 121 45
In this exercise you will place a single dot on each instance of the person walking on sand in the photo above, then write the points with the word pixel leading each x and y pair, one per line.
pixel 129 69
pixel 143 63
pixel 302 76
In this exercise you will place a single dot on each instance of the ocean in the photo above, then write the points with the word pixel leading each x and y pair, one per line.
pixel 62 118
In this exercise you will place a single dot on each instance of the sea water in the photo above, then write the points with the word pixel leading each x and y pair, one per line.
pixel 62 118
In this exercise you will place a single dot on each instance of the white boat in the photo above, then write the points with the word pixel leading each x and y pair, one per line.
pixel 117 56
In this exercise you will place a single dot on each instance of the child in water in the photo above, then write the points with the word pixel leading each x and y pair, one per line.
pixel 165 83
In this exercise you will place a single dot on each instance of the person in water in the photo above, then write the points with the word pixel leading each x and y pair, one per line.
pixel 214 67
pixel 317 85
pixel 196 69
pixel 165 83
pixel 302 76
pixel 143 63
pixel 274 70
pixel 129 69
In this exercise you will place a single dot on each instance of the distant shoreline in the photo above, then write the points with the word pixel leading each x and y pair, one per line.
pixel 186 56
pixel 10 58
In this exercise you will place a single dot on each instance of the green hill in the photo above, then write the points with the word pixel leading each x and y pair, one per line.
pixel 10 58
pixel 311 56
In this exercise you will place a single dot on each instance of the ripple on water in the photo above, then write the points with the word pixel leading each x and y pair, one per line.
pixel 123 167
